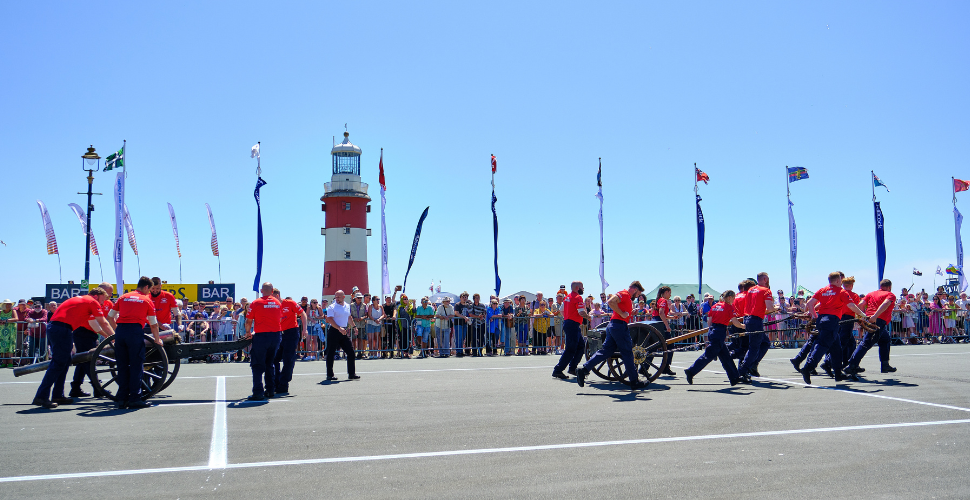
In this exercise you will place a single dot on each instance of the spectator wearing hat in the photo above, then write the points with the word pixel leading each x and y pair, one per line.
pixel 508 315
pixel 405 318
pixel 358 325
pixel 705 309
pixel 36 328
pixel 493 316
pixel 443 316
pixel 423 315
pixel 460 323
pixel 8 333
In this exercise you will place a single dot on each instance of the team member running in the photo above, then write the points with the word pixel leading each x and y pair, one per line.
pixel 846 339
pixel 830 299
pixel 132 311
pixel 263 326
pixel 76 312
pixel 574 311
pixel 662 314
pixel 757 303
pixel 292 335
pixel 879 308
pixel 721 315
pixel 86 339
pixel 617 337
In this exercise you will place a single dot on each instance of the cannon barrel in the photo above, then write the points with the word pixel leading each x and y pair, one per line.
pixel 168 337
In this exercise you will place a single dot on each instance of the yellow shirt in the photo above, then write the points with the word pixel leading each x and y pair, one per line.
pixel 541 323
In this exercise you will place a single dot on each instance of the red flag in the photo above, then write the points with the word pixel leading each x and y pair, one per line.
pixel 701 176
pixel 380 177
pixel 494 164
pixel 959 185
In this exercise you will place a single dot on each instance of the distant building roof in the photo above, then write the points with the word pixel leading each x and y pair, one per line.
pixel 682 290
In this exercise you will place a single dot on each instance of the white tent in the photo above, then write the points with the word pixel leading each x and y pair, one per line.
pixel 529 296
pixel 436 298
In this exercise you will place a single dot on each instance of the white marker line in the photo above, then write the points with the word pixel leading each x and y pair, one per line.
pixel 219 449
pixel 857 393
pixel 895 355
pixel 429 370
pixel 481 451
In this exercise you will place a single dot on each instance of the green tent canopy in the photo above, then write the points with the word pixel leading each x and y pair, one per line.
pixel 682 290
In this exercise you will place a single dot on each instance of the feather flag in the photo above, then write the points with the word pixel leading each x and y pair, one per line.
pixel 414 246
pixel 385 277
pixel 599 196
pixel 48 229
pixel 214 243
pixel 130 229
pixel 498 281
pixel 79 212
pixel 175 229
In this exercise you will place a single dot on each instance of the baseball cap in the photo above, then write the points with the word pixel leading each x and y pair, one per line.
pixel 22 301
pixel 358 295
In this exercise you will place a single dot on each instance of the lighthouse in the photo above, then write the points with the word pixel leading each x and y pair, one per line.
pixel 346 204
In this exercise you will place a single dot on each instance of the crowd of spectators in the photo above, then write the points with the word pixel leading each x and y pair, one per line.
pixel 402 327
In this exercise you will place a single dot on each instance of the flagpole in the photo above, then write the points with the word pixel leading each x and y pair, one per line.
pixel 60 274
pixel 873 184
pixel 699 275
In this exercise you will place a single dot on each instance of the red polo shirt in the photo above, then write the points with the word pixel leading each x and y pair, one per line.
pixel 625 305
pixel 739 304
pixel 572 305
pixel 134 307
pixel 831 299
pixel 662 307
pixel 267 314
pixel 754 301
pixel 163 306
pixel 875 299
pixel 77 311
pixel 854 297
pixel 289 311
pixel 721 313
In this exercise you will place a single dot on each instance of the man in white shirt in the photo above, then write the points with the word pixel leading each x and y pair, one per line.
pixel 338 335
pixel 442 322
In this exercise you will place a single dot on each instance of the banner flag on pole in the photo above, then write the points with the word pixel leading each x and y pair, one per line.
pixel 79 212
pixel 259 229
pixel 797 174
pixel 214 243
pixel 599 196
pixel 385 277
pixel 130 229
pixel 498 281
pixel 958 222
pixel 700 246
pixel 414 246
pixel 119 231
pixel 959 185
pixel 48 229
pixel 876 182
pixel 175 229
pixel 880 241
pixel 793 246
pixel 115 160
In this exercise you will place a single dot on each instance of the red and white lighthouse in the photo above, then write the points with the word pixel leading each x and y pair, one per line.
pixel 346 204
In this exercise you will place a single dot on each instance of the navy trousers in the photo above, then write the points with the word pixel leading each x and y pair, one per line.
pixel 758 344
pixel 845 338
pixel 738 345
pixel 336 339
pixel 61 340
pixel 84 340
pixel 286 354
pixel 262 360
pixel 828 342
pixel 666 333
pixel 806 349
pixel 716 349
pixel 130 356
pixel 617 339
pixel 575 346
pixel 881 336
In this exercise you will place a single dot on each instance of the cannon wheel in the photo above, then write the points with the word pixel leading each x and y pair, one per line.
pixel 104 363
pixel 649 354
pixel 172 373
pixel 593 343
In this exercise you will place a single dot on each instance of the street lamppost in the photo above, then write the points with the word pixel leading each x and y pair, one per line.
pixel 90 162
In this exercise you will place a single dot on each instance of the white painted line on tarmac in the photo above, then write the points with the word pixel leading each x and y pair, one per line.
pixel 895 355
pixel 430 370
pixel 481 451
pixel 857 393
pixel 219 448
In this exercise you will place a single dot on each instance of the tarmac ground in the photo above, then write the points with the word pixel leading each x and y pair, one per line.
pixel 502 427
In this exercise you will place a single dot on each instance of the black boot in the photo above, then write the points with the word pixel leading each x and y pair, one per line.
pixel 887 369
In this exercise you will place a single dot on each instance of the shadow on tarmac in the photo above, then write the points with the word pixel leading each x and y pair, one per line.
pixel 734 391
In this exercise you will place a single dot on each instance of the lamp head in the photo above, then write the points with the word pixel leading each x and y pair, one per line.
pixel 91 158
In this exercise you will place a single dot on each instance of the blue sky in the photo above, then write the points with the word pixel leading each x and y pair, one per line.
pixel 742 89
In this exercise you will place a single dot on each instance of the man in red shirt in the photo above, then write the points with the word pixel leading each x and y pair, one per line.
pixel 86 339
pixel 286 354
pixel 846 339
pixel 617 337
pixel 573 312
pixel 72 314
pixel 879 308
pixel 165 305
pixel 132 311
pixel 263 326
pixel 757 302
pixel 830 300
pixel 721 315
pixel 739 344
